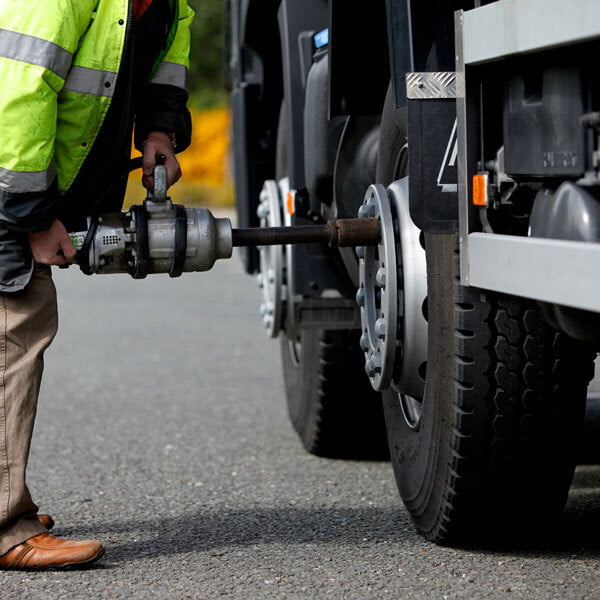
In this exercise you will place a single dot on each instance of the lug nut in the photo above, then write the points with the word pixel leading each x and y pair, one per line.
pixel 380 277
pixel 380 328
pixel 360 297
pixel 375 361
pixel 263 210
pixel 371 207
pixel 364 342
pixel 368 368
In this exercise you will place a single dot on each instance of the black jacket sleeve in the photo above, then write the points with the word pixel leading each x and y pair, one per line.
pixel 28 212
pixel 163 108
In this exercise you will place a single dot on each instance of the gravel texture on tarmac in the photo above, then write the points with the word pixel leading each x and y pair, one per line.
pixel 162 431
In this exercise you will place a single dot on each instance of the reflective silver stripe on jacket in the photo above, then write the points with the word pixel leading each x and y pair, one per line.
pixel 171 74
pixel 20 182
pixel 91 82
pixel 35 51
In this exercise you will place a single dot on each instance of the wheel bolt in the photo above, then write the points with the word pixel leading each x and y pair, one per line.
pixel 375 361
pixel 380 277
pixel 364 342
pixel 371 207
pixel 263 209
pixel 380 328
pixel 360 297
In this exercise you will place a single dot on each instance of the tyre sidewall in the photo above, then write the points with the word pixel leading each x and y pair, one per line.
pixel 420 456
pixel 301 376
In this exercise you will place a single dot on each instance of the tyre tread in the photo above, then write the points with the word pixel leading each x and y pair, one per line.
pixel 509 363
pixel 342 416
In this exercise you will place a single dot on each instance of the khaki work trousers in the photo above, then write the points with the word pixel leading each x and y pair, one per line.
pixel 28 323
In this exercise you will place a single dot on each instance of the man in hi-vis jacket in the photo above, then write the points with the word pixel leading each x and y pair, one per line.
pixel 78 77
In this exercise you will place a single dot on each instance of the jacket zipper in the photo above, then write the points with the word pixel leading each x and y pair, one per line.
pixel 128 33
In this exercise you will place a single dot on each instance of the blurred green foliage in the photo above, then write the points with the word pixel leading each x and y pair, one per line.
pixel 206 61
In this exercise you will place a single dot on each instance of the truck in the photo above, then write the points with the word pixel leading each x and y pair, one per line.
pixel 463 343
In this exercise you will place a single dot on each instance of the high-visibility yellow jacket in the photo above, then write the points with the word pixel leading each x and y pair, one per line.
pixel 59 66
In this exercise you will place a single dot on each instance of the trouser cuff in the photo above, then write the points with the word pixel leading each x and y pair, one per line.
pixel 19 531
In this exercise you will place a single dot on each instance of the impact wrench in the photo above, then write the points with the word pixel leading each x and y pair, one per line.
pixel 161 237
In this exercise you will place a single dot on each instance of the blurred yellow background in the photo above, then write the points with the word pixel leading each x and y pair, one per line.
pixel 205 164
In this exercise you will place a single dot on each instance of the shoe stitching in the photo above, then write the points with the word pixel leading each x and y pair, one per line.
pixel 22 551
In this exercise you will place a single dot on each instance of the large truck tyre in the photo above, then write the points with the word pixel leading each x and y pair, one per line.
pixel 494 446
pixel 330 402
pixel 494 450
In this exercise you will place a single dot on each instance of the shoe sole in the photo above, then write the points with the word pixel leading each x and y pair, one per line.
pixel 76 565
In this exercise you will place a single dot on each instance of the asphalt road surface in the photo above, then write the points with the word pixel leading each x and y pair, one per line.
pixel 162 431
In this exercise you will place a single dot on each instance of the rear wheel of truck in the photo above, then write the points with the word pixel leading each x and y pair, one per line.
pixel 495 445
pixel 330 402
pixel 492 446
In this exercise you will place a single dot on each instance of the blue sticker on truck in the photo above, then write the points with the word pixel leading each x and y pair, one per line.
pixel 321 38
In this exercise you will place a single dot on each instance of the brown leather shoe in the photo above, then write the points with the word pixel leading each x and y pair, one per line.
pixel 46 520
pixel 44 551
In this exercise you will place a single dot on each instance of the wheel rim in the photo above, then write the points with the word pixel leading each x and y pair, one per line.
pixel 412 329
pixel 406 345
pixel 377 295
pixel 270 277
pixel 412 410
pixel 295 349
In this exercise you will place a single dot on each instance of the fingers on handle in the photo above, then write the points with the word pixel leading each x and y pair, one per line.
pixel 44 259
pixel 149 159
pixel 148 182
pixel 66 247
pixel 58 260
pixel 173 171
pixel 69 251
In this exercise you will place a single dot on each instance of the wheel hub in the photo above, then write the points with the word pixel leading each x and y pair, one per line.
pixel 391 296
pixel 377 294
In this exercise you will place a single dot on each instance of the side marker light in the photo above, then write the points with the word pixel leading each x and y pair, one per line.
pixel 480 189
pixel 290 202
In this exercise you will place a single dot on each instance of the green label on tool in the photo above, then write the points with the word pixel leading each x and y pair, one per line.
pixel 77 241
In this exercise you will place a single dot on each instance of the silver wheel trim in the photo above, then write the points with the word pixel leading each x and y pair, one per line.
pixel 407 347
pixel 413 326
pixel 295 349
pixel 270 277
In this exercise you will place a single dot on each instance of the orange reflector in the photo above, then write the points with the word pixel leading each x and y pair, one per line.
pixel 480 189
pixel 291 203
